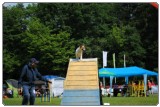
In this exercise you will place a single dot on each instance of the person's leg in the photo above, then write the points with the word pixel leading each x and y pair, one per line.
pixel 149 90
pixel 26 95
pixel 125 92
pixel 32 95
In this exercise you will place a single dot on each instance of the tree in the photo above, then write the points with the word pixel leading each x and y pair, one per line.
pixel 144 17
pixel 52 50
pixel 52 31
pixel 12 17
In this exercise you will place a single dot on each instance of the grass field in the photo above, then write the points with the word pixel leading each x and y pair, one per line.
pixel 152 100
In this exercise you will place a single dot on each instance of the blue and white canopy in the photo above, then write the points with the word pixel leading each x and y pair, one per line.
pixel 126 71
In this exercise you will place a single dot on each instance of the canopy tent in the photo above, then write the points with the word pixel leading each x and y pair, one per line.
pixel 126 72
pixel 56 88
pixel 123 72
pixel 12 84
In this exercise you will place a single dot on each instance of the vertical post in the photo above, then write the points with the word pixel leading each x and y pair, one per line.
pixel 104 83
pixel 45 97
pixel 114 64
pixel 49 91
pixel 111 79
pixel 145 83
pixel 49 97
pixel 126 79
pixel 42 97
pixel 124 60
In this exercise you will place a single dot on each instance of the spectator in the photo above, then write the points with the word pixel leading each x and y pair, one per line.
pixel 115 90
pixel 38 93
pixel 152 86
pixel 124 89
pixel 9 93
pixel 149 86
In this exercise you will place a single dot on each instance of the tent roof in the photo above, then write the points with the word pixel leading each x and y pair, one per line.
pixel 50 76
pixel 123 72
pixel 12 82
pixel 53 77
pixel 59 78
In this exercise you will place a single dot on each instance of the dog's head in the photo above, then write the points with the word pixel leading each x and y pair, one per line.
pixel 82 47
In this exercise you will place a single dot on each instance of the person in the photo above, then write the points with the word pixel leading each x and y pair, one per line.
pixel 149 86
pixel 124 90
pixel 152 86
pixel 38 92
pixel 26 80
pixel 115 90
pixel 10 93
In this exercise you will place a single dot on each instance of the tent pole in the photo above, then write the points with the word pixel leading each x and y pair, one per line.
pixel 145 83
pixel 111 79
pixel 126 79
pixel 157 79
pixel 104 84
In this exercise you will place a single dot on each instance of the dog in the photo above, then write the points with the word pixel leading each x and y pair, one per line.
pixel 79 52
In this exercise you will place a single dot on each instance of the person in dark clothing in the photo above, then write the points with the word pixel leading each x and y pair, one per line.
pixel 115 90
pixel 124 90
pixel 27 78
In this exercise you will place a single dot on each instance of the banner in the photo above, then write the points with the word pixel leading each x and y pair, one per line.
pixel 104 59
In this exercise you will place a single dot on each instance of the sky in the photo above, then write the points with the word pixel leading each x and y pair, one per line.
pixel 13 4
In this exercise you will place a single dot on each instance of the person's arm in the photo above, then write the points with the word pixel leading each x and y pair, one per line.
pixel 21 76
pixel 41 77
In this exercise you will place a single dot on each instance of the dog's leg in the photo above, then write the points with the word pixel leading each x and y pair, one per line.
pixel 77 58
pixel 81 56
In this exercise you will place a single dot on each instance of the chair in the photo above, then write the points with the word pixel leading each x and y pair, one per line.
pixel 141 89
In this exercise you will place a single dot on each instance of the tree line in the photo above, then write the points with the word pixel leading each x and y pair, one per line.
pixel 51 32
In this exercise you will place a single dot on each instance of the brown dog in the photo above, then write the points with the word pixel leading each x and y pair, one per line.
pixel 79 52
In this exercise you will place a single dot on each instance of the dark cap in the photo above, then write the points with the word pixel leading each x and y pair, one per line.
pixel 33 60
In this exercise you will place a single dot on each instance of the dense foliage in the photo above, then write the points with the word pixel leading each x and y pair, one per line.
pixel 51 32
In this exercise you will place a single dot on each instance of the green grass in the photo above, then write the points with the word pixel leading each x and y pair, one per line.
pixel 128 101
pixel 114 101
pixel 18 101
